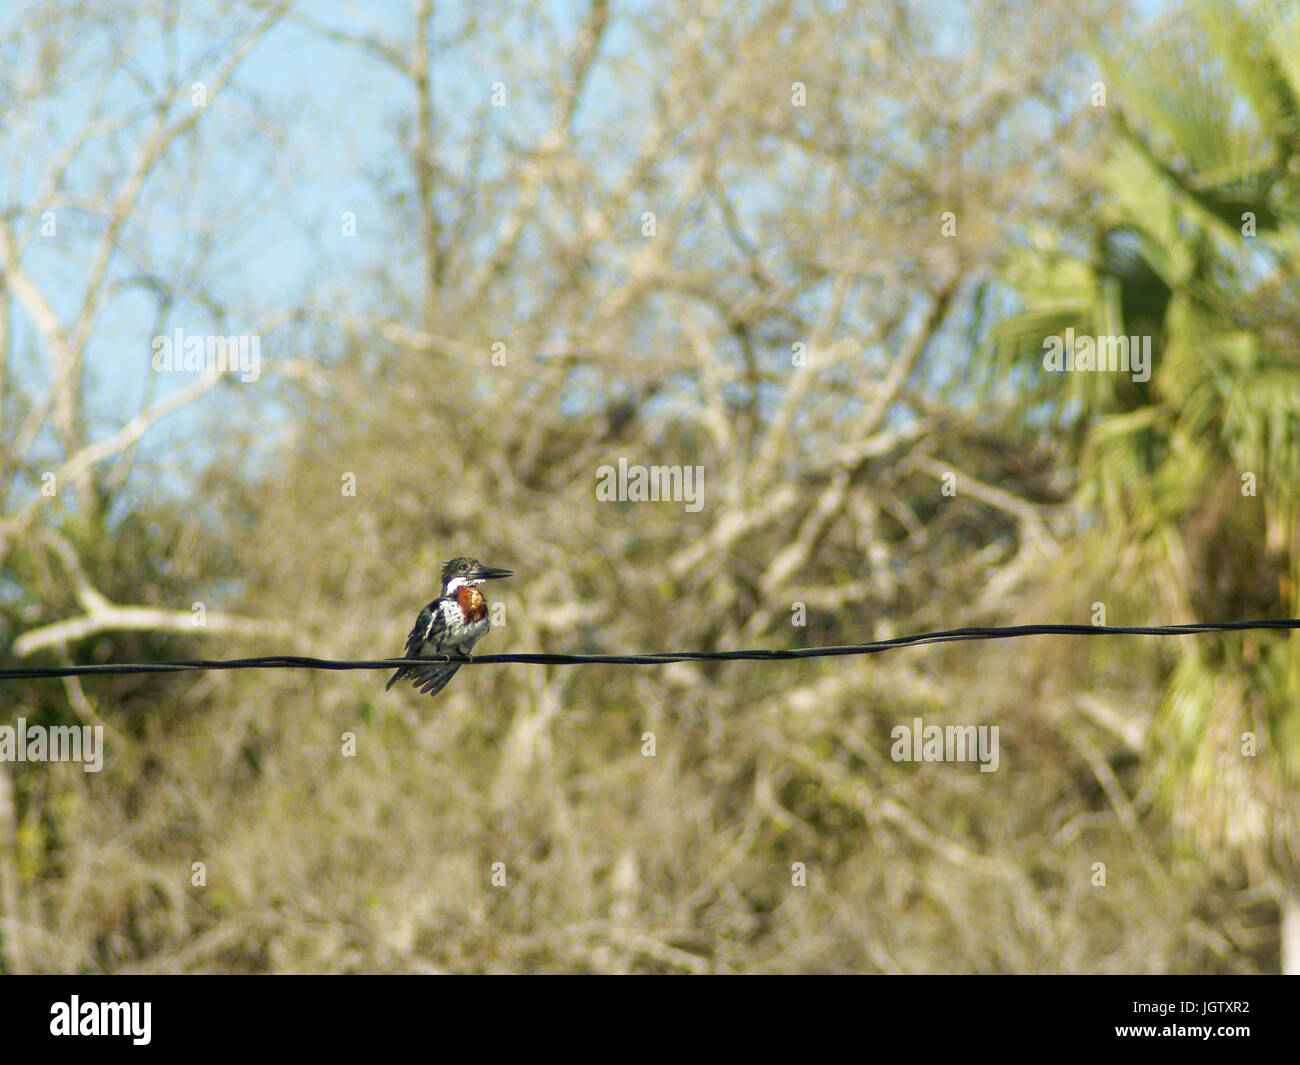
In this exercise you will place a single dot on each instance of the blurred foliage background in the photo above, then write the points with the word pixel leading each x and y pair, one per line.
pixel 813 248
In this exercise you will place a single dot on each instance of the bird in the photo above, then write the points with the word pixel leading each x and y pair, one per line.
pixel 450 625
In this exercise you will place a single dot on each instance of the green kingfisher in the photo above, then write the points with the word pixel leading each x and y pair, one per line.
pixel 451 625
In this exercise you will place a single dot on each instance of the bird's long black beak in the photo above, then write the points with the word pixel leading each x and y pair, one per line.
pixel 489 573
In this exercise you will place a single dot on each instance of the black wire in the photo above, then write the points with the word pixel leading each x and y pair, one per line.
pixel 949 636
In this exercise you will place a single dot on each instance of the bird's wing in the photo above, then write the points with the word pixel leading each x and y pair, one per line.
pixel 431 678
pixel 426 627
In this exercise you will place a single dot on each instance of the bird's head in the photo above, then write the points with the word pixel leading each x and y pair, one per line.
pixel 467 572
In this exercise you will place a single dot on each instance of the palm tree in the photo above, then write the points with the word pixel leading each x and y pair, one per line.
pixel 1193 476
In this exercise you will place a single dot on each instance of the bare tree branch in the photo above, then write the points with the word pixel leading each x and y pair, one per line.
pixel 113 618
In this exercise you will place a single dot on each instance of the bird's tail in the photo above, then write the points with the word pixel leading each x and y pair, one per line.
pixel 430 679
